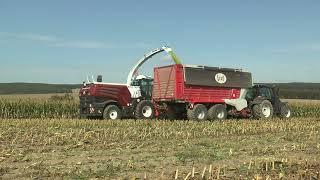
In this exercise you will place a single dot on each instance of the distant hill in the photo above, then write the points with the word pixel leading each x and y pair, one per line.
pixel 36 88
pixel 287 90
pixel 298 90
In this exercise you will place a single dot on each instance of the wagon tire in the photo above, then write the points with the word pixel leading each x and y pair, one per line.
pixel 171 113
pixel 145 110
pixel 112 112
pixel 263 110
pixel 199 113
pixel 217 112
pixel 83 117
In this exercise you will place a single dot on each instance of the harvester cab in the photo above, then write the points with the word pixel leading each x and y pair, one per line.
pixel 144 83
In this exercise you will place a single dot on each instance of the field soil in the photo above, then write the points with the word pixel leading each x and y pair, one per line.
pixel 243 149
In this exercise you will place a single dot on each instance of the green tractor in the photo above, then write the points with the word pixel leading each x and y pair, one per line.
pixel 265 103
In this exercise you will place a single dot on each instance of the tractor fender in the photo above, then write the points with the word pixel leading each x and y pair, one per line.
pixel 257 100
pixel 239 104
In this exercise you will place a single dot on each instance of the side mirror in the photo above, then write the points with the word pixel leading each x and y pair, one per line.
pixel 276 90
pixel 99 78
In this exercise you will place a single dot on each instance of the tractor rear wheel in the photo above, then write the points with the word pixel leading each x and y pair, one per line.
pixel 112 112
pixel 199 113
pixel 285 111
pixel 263 110
pixel 145 110
pixel 217 112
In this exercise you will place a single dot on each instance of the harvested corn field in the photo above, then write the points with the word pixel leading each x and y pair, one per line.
pixel 73 148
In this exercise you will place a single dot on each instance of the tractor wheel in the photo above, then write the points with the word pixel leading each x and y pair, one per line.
pixel 145 110
pixel 285 111
pixel 112 112
pixel 263 110
pixel 199 113
pixel 217 112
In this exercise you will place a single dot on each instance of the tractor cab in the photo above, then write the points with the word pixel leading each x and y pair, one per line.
pixel 267 92
pixel 145 83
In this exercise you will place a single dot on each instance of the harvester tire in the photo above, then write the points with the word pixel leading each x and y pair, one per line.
pixel 199 113
pixel 112 112
pixel 217 112
pixel 145 110
pixel 285 111
pixel 263 110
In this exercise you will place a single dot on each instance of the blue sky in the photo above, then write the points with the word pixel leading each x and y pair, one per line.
pixel 64 41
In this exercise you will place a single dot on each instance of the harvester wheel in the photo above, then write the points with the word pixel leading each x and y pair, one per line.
pixel 217 112
pixel 112 112
pixel 285 111
pixel 199 113
pixel 145 110
pixel 263 110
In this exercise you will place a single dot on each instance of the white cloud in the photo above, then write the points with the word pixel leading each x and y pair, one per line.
pixel 303 47
pixel 313 46
pixel 54 41
pixel 29 36
pixel 143 45
pixel 83 44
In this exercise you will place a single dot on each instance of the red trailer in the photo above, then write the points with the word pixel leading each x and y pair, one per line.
pixel 200 92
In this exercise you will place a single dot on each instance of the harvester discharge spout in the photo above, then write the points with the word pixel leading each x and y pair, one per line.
pixel 148 56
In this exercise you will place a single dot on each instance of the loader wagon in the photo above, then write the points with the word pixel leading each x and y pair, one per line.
pixel 198 92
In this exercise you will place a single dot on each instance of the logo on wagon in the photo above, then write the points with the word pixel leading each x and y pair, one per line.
pixel 220 78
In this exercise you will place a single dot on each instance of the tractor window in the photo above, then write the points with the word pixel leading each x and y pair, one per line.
pixel 251 94
pixel 265 92
pixel 144 85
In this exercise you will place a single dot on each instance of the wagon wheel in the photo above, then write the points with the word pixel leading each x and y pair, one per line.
pixel 217 112
pixel 199 113
pixel 145 110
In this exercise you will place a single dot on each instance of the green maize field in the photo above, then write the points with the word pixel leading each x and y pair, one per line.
pixel 46 108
